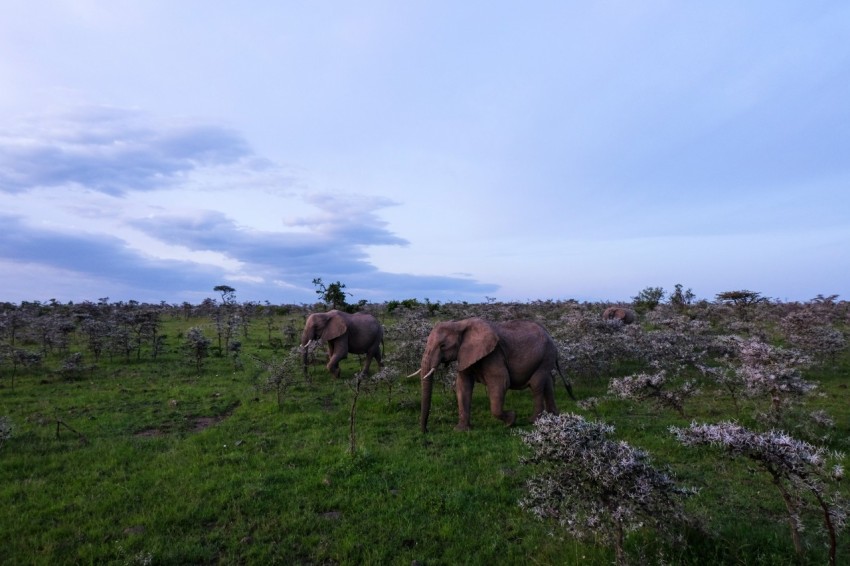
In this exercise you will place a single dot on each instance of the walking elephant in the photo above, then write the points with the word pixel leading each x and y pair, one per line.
pixel 624 315
pixel 345 333
pixel 501 355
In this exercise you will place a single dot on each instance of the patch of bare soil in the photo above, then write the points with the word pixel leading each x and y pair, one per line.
pixel 196 424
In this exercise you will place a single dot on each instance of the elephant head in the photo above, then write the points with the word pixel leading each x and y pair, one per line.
pixel 324 326
pixel 466 341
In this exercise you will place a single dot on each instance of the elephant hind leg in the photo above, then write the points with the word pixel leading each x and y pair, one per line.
pixel 367 364
pixel 497 404
pixel 374 354
pixel 543 392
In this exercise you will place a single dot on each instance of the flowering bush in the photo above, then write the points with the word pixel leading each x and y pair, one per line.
pixel 796 468
pixel 590 347
pixel 769 371
pixel 810 331
pixel 281 373
pixel 409 335
pixel 654 387
pixel 592 485
pixel 196 347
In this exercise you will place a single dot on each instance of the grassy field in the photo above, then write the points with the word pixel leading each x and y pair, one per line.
pixel 148 462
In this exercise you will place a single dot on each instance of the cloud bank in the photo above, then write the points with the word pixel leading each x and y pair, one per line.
pixel 132 209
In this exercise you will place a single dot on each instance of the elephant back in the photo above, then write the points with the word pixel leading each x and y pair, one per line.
pixel 527 346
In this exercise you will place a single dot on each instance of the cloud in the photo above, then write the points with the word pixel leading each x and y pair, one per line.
pixel 111 151
pixel 119 204
pixel 350 218
pixel 106 263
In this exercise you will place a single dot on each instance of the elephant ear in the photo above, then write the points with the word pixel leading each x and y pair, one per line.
pixel 479 339
pixel 335 328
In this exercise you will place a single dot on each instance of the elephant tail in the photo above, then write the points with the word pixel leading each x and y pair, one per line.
pixel 564 379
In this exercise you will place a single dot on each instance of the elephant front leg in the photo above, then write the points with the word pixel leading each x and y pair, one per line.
pixel 463 388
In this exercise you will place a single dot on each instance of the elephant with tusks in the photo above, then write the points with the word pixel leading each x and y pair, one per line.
pixel 517 354
pixel 344 333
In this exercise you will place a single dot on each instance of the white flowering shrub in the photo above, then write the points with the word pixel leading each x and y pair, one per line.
pixel 589 404
pixel 196 347
pixel 654 387
pixel 73 366
pixel 594 486
pixel 280 373
pixel 810 331
pixel 408 336
pixel 749 369
pixel 830 308
pixel 590 347
pixel 674 347
pixel 730 382
pixel 798 469
pixel 775 373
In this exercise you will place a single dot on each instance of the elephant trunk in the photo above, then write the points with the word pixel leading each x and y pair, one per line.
pixel 427 389
pixel 305 353
pixel 430 360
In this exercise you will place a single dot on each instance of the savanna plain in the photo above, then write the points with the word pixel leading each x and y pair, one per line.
pixel 137 433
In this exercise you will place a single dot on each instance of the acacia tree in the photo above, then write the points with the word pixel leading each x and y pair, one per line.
pixel 648 299
pixel 197 347
pixel 332 294
pixel 797 469
pixel 11 321
pixel 281 372
pixel 593 485
pixel 359 383
pixel 409 335
pixel 96 332
pixel 681 299
pixel 228 293
pixel 226 319
pixel 776 373
pixel 743 301
pixel 144 325
pixel 654 387
pixel 812 332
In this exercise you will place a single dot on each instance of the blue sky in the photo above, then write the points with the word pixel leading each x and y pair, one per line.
pixel 151 150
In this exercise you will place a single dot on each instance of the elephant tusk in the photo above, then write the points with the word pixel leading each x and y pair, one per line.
pixel 427 375
pixel 415 373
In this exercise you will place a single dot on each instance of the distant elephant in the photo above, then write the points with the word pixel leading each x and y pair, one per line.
pixel 345 333
pixel 501 355
pixel 624 315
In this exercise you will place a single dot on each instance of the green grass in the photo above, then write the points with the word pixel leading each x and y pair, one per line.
pixel 168 467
